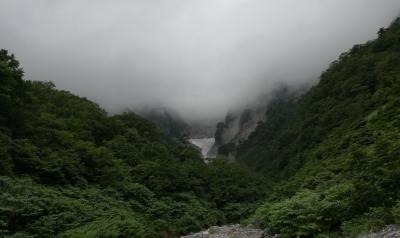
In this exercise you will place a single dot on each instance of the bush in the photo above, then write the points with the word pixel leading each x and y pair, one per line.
pixel 112 227
pixel 70 212
pixel 295 216
pixel 72 170
pixel 308 212
pixel 375 219
pixel 396 213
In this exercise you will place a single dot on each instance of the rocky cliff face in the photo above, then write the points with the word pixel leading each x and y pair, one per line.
pixel 238 125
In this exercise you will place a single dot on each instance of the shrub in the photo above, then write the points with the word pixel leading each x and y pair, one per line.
pixel 372 220
pixel 396 212
pixel 308 212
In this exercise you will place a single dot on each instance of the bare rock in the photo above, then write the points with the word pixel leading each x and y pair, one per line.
pixel 391 231
pixel 231 231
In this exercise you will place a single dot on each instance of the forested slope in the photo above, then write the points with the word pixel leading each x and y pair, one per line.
pixel 67 169
pixel 334 153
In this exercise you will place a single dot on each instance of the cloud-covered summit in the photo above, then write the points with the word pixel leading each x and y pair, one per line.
pixel 199 57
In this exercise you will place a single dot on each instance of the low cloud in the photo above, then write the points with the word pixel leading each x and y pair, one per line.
pixel 200 57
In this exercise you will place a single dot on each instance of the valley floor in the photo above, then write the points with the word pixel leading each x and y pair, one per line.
pixel 391 231
pixel 238 231
pixel 230 231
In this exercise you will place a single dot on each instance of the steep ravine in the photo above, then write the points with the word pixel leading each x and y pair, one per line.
pixel 204 145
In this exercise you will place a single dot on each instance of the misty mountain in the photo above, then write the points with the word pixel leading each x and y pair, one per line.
pixel 69 169
pixel 173 125
pixel 240 124
pixel 334 153
pixel 202 129
pixel 246 120
pixel 199 58
pixel 168 120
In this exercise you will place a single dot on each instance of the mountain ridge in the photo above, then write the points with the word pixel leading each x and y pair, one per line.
pixel 334 152
pixel 324 164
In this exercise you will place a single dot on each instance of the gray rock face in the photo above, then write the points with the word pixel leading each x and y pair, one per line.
pixel 391 231
pixel 240 124
pixel 232 231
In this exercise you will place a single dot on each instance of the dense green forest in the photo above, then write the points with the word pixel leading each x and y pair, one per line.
pixel 67 169
pixel 324 164
pixel 334 153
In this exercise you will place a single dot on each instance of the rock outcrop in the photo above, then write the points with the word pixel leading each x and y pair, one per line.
pixel 232 231
pixel 391 231
pixel 238 125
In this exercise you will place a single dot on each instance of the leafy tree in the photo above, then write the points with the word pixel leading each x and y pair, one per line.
pixel 344 130
pixel 67 169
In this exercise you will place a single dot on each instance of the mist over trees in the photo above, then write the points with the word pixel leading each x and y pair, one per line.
pixel 316 157
pixel 200 58
pixel 67 169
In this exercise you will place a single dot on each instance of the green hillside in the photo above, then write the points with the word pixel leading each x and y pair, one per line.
pixel 328 162
pixel 67 169
pixel 334 153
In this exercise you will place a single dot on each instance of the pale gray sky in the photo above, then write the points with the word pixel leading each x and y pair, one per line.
pixel 200 57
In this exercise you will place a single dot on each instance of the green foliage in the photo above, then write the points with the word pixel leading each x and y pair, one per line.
pixel 67 169
pixel 345 130
pixel 11 90
pixel 376 218
pixel 49 211
pixel 396 212
pixel 331 160
pixel 307 213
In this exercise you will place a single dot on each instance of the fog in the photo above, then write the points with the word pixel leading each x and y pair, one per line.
pixel 199 57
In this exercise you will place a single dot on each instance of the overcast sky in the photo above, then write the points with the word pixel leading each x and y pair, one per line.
pixel 200 57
